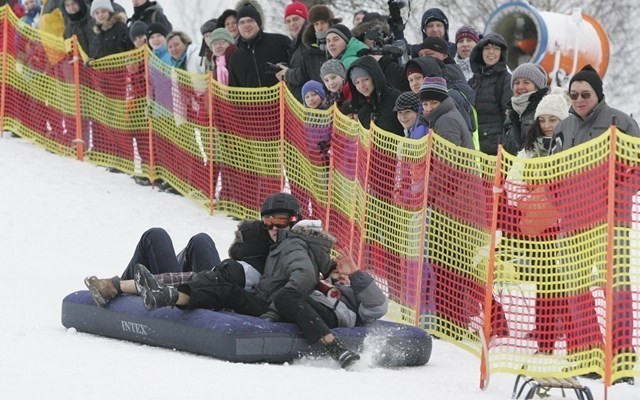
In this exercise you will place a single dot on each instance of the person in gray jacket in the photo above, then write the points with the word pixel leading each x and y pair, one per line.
pixel 441 113
pixel 290 274
pixel 590 115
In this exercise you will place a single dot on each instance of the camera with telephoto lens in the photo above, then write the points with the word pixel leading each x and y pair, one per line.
pixel 383 45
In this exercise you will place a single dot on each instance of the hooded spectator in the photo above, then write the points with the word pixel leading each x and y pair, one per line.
pixel 441 113
pixel 467 37
pixel 149 12
pixel 110 33
pixel 32 12
pixel 435 24
pixel 492 83
pixel 229 21
pixel 357 17
pixel 256 48
pixel 372 96
pixel 529 84
pixel 77 21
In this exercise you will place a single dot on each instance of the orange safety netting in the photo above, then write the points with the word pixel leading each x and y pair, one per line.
pixel 531 263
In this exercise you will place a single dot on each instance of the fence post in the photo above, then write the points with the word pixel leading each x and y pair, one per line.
pixel 608 288
pixel 327 214
pixel 282 99
pixel 488 297
pixel 149 117
pixel 76 82
pixel 212 179
pixel 363 220
pixel 423 229
pixel 3 88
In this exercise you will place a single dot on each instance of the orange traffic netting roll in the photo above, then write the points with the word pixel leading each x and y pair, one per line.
pixel 532 263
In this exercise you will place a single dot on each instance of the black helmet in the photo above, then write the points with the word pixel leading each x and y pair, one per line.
pixel 280 203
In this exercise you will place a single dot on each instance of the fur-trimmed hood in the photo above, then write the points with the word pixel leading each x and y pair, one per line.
pixel 358 31
pixel 111 22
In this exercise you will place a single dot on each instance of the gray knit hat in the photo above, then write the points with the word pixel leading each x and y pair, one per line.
pixel 101 4
pixel 221 34
pixel 407 101
pixel 358 72
pixel 333 66
pixel 341 31
pixel 434 88
pixel 138 28
pixel 532 72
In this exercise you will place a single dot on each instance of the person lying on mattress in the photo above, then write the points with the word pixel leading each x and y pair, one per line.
pixel 247 253
pixel 287 290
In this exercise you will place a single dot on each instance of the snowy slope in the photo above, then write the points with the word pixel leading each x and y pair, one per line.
pixel 63 219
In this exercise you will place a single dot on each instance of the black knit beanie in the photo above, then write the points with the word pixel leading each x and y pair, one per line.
pixel 589 75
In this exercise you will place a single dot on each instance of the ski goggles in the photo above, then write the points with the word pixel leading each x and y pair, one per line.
pixel 280 221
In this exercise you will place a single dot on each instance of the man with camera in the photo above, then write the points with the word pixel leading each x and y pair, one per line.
pixel 248 64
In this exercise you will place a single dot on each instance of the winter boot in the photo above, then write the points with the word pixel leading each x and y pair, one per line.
pixel 153 295
pixel 341 354
pixel 102 290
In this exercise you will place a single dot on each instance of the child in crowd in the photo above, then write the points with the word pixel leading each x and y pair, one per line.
pixel 157 38
pixel 314 96
pixel 111 35
pixel 334 75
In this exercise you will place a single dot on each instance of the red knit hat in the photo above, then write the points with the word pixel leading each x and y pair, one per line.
pixel 296 8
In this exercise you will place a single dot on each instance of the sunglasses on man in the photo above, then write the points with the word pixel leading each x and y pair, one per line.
pixel 584 95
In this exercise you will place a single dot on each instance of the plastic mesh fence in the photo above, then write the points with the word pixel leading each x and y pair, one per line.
pixel 557 293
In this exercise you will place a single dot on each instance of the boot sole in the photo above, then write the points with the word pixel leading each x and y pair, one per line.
pixel 95 294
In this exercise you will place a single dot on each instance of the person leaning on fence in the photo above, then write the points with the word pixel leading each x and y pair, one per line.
pixel 205 52
pixel 372 96
pixel 589 117
pixel 157 39
pixel 529 84
pixel 408 111
pixel 440 112
pixel 222 46
pixel 77 21
pixel 138 34
pixel 248 65
pixel 110 33
pixel 334 76
pixel 250 247
pixel 492 82
pixel 538 221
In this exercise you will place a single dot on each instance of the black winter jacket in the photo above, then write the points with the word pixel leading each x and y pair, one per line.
pixel 379 107
pixel 516 126
pixel 149 13
pixel 79 24
pixel 493 93
pixel 306 58
pixel 112 37
pixel 248 64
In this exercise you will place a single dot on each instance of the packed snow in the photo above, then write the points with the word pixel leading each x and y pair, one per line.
pixel 64 219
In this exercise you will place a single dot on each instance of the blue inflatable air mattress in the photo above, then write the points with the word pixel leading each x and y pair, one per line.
pixel 230 336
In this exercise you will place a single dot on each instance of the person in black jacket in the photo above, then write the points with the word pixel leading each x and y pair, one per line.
pixel 372 96
pixel 149 12
pixel 78 22
pixel 492 83
pixel 248 64
pixel 110 33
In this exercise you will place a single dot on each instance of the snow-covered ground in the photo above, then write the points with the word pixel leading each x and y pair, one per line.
pixel 63 220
